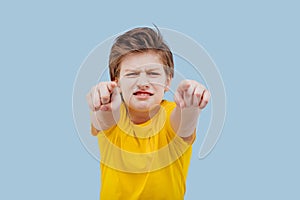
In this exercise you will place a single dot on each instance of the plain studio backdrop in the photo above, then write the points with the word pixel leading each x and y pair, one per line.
pixel 254 44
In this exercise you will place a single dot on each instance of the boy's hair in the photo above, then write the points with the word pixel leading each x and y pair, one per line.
pixel 140 40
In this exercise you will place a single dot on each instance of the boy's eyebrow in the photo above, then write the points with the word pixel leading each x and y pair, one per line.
pixel 150 69
pixel 153 69
pixel 126 70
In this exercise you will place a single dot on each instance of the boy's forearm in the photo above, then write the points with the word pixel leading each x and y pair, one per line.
pixel 184 121
pixel 103 120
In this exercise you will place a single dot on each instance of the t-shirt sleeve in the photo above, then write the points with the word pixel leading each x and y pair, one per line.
pixel 94 131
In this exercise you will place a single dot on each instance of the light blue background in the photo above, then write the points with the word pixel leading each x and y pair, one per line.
pixel 255 45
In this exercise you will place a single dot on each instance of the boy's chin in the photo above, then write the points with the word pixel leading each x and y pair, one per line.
pixel 143 106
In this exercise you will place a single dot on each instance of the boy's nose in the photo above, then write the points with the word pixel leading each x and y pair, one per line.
pixel 142 81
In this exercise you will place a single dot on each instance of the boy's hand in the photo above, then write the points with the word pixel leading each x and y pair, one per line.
pixel 104 96
pixel 190 93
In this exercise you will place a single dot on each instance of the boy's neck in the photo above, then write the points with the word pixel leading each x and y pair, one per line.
pixel 139 117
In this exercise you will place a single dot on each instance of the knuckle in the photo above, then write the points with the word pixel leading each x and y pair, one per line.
pixel 105 97
pixel 95 88
pixel 102 83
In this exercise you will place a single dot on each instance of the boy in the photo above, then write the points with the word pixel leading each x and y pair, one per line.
pixel 145 141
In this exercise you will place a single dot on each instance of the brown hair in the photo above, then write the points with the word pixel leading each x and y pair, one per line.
pixel 140 40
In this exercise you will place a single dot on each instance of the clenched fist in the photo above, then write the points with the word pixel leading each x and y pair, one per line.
pixel 190 93
pixel 104 96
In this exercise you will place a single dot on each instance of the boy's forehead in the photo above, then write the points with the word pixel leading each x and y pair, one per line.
pixel 148 66
pixel 141 60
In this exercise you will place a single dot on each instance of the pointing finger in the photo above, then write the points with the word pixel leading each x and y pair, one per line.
pixel 183 86
pixel 111 86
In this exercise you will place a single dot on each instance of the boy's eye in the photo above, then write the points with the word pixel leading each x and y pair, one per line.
pixel 135 74
pixel 153 73
pixel 132 74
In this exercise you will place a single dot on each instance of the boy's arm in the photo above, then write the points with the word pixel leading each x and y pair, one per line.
pixel 190 97
pixel 103 120
pixel 104 102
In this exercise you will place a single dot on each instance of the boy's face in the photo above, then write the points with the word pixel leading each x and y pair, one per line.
pixel 142 81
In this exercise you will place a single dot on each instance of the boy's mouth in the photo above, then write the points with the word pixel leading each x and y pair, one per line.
pixel 142 93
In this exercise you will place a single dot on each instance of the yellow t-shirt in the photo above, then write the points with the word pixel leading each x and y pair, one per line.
pixel 145 161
